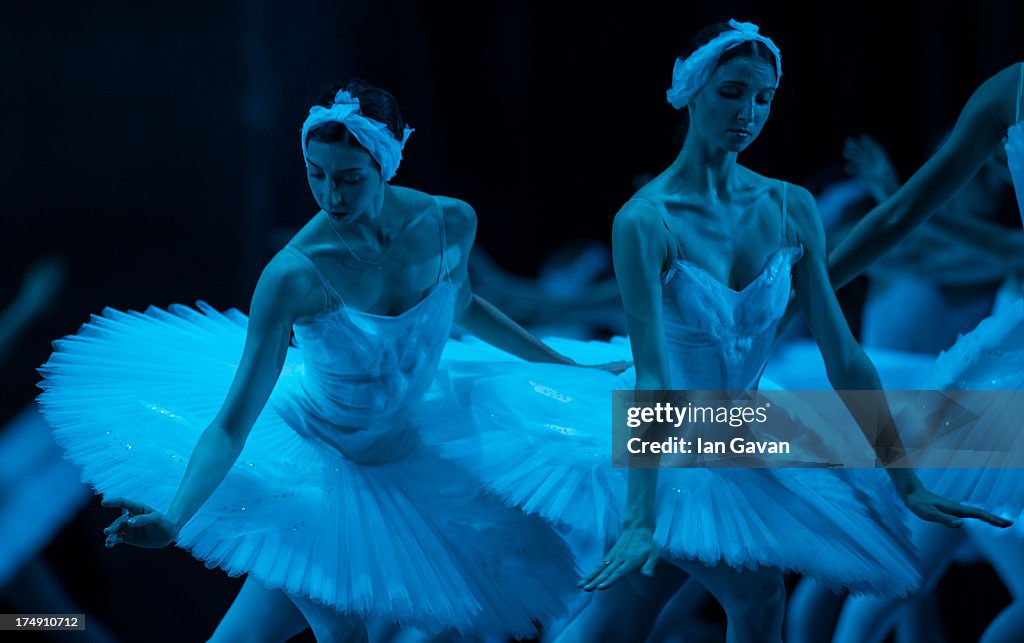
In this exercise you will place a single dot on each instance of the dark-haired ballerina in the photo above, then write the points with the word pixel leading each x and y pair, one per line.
pixel 313 478
pixel 704 256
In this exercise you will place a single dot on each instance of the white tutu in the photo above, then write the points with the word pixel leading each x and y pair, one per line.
pixel 410 538
pixel 988 358
pixel 543 442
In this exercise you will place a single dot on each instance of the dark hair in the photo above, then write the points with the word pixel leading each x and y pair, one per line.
pixel 374 102
pixel 749 49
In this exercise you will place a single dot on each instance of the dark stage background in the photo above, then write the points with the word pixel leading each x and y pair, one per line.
pixel 155 146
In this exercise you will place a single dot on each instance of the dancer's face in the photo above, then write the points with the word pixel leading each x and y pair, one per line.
pixel 731 109
pixel 344 178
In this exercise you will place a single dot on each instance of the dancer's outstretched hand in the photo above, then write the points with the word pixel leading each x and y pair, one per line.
pixel 935 508
pixel 138 525
pixel 634 549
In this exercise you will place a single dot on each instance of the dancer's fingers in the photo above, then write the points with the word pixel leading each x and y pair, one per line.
pixel 112 540
pixel 592 576
pixel 602 579
pixel 932 513
pixel 600 575
pixel 145 520
pixel 964 511
pixel 113 527
pixel 615 573
pixel 650 564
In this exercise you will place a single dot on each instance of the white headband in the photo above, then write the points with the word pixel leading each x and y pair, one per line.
pixel 688 76
pixel 371 134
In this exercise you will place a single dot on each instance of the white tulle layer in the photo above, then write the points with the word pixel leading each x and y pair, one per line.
pixel 991 357
pixel 414 540
pixel 544 444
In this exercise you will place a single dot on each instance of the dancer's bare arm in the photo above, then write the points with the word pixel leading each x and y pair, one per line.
pixel 284 293
pixel 850 369
pixel 480 317
pixel 640 249
pixel 980 127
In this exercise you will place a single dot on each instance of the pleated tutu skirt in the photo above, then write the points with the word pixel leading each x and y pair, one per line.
pixel 544 443
pixel 414 539
pixel 989 358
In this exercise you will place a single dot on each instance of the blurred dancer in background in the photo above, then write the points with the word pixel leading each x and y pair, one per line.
pixel 988 357
pixel 39 491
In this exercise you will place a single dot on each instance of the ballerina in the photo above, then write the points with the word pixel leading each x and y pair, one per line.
pixel 988 357
pixel 683 247
pixel 959 246
pixel 313 477
pixel 704 255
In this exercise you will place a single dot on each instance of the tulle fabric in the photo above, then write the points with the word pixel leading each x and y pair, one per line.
pixel 538 451
pixel 989 358
pixel 544 443
pixel 799 366
pixel 368 519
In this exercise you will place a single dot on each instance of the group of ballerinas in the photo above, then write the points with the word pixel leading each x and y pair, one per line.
pixel 376 471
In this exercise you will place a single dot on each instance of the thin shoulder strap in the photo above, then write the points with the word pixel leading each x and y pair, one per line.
pixel 785 210
pixel 1020 92
pixel 316 272
pixel 442 270
pixel 668 230
pixel 675 242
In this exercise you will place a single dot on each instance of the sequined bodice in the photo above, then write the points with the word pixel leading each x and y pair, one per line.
pixel 367 367
pixel 717 337
pixel 360 373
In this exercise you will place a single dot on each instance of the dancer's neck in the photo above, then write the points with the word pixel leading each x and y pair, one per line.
pixel 704 169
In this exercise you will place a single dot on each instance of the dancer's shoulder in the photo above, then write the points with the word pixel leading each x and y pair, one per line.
pixel 639 216
pixel 291 280
pixel 645 208
pixel 803 225
pixel 458 215
pixel 459 218
pixel 799 200
pixel 639 230
pixel 994 102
